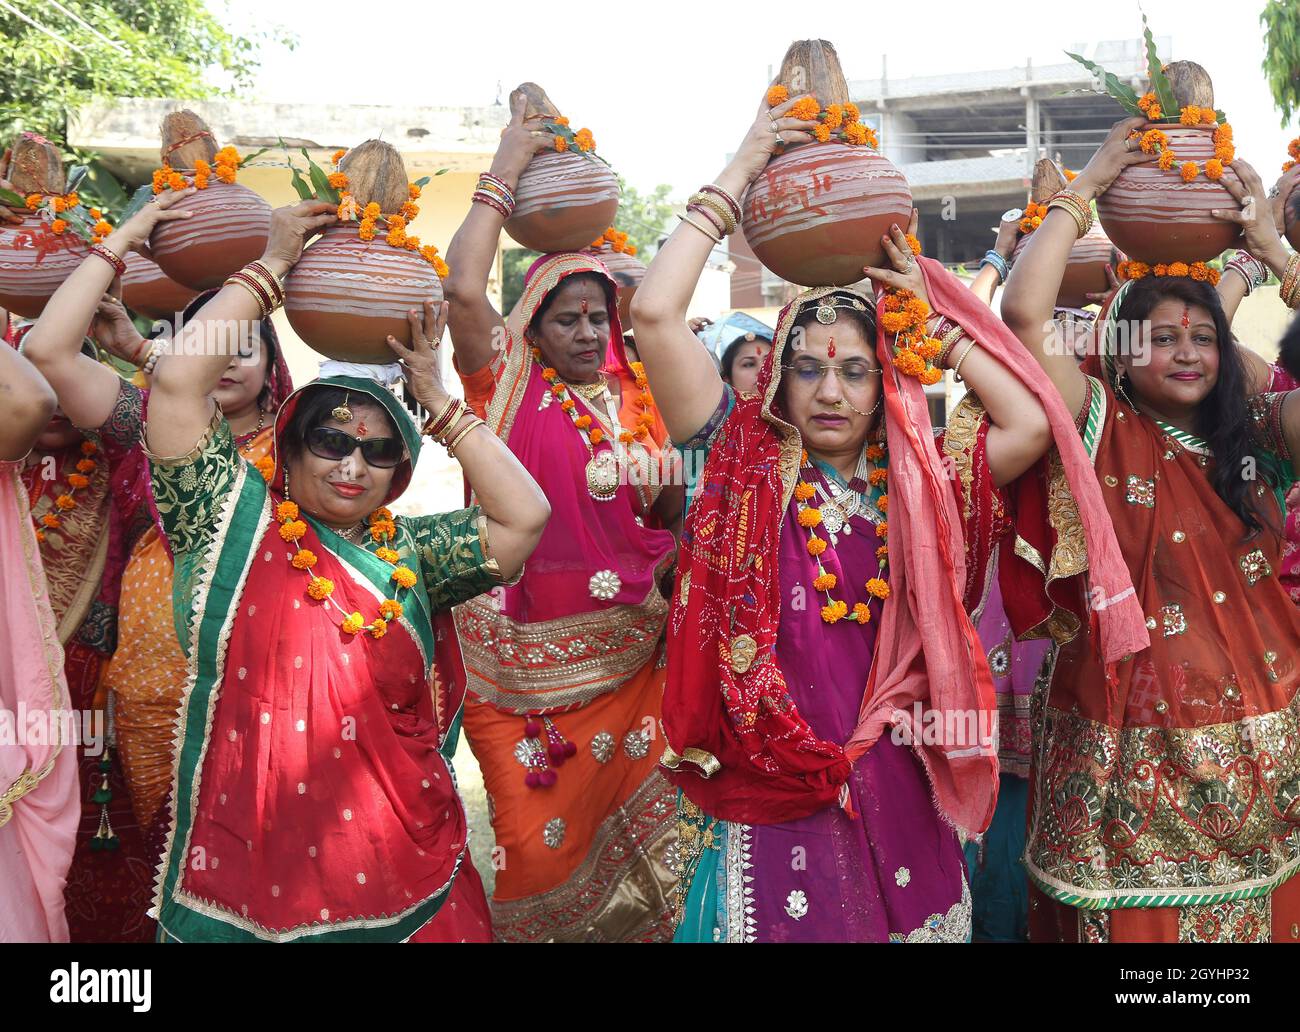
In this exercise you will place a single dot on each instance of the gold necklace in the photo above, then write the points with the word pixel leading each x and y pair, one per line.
pixel 588 391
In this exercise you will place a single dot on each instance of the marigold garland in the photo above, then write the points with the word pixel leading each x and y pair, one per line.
pixel 321 589
pixel 1156 141
pixel 67 501
pixel 59 205
pixel 225 165
pixel 567 139
pixel 904 315
pixel 615 240
pixel 349 210
pixel 1292 148
pixel 1033 217
pixel 1199 271
pixel 810 518
pixel 560 391
pixel 839 122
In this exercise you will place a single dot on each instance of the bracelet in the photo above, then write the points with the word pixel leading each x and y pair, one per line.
pixel 465 431
pixel 956 369
pixel 690 221
pixel 487 181
pixel 1078 208
pixel 711 217
pixel 436 426
pixel 479 197
pixel 1250 269
pixel 109 256
pixel 155 353
pixel 1290 282
pixel 432 420
pixel 999 263
pixel 494 192
pixel 708 201
pixel 260 272
pixel 727 199
pixel 255 288
pixel 947 342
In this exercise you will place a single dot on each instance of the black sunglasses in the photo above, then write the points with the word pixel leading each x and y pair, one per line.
pixel 329 443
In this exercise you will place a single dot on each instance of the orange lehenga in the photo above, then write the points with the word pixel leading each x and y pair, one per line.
pixel 565 670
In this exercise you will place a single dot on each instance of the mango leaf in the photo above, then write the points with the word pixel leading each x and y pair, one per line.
pixel 1121 91
pixel 254 156
pixel 11 200
pixel 75 175
pixel 300 185
pixel 139 199
pixel 422 182
pixel 321 182
pixel 1155 72
pixel 442 172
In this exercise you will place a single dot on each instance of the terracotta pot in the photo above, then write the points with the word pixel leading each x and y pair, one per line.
pixel 628 272
pixel 1153 216
pixel 34 260
pixel 816 214
pixel 1085 270
pixel 346 296
pixel 563 202
pixel 150 292
pixel 227 231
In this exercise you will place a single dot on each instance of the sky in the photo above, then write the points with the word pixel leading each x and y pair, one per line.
pixel 670 87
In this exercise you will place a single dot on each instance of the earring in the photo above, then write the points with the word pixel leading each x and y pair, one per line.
pixel 1121 393
pixel 286 483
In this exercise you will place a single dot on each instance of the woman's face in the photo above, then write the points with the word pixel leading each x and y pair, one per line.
pixel 343 492
pixel 574 332
pixel 1177 364
pixel 748 361
pixel 245 376
pixel 821 404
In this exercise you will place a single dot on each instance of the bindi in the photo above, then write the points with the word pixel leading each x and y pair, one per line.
pixel 361 429
pixel 830 347
pixel 584 306
pixel 1187 317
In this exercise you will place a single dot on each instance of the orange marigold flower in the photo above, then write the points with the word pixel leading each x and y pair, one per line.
pixel 882 553
pixel 1226 153
pixel 561 120
pixel 304 559
pixel 60 204
pixel 1159 269
pixel 383 530
pixel 412 243
pixel 396 222
pixel 883 503
pixel 226 173
pixel 1208 116
pixel 834 116
pixel 429 253
pixel 816 546
pixel 878 587
pixel 58 226
pixel 390 609
pixel 916 308
pixel 805 108
pixel 441 268
pixel 875 452
pixel 320 588
pixel 825 582
pixel 855 133
pixel 598 435
pixel 1190 115
pixel 583 140
pixel 930 376
pixel 1189 170
pixel 34 200
pixel 371 211
pixel 1146 101
pixel 1178 269
pixel 929 348
pixel 77 480
pixel 894 322
pixel 293 530
pixel 366 231
pixel 1214 169
pixel 409 210
pixel 176 181
pixel 348 208
pixel 265 466
pixel 882 529
pixel 1199 271
pixel 1136 270
pixel 582 422
pixel 835 611
pixel 822 133
pixel 379 628
pixel 337 156
pixel 338 180
pixel 1154 140
pixel 387 555
pixel 877 477
pixel 915 245
pixel 404 577
pixel 561 144
pixel 413 191
pixel 65 502
pixel 567 404
pixel 103 228
pixel 909 363
pixel 352 623
pixel 1166 160
pixel 396 237
pixel 85 465
pixel 89 447
pixel 51 521
pixel 1214 277
pixel 804 490
pixel 862 612
pixel 630 249
pixel 777 94
pixel 809 517
pixel 286 511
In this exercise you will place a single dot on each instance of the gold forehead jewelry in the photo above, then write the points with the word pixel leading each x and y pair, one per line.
pixel 341 412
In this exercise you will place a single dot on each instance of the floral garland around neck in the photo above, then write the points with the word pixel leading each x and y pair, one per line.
pixel 321 589
pixel 904 314
pixel 66 502
pixel 810 518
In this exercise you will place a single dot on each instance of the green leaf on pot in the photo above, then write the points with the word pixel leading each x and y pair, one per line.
pixel 442 172
pixel 75 175
pixel 300 185
pixel 11 200
pixel 254 156
pixel 422 182
pixel 1121 91
pixel 1155 72
pixel 320 181
pixel 139 199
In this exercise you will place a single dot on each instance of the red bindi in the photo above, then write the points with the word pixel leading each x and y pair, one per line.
pixel 361 429
pixel 1187 318
pixel 830 347
pixel 584 306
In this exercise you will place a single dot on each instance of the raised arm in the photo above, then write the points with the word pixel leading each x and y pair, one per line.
pixel 986 281
pixel 27 402
pixel 477 328
pixel 514 505
pixel 686 383
pixel 87 390
pixel 179 406
pixel 1029 298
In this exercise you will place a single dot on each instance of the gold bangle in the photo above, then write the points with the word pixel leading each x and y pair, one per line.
pixel 432 422
pixel 472 424
pixel 254 287
pixel 956 369
pixel 1078 208
pixel 715 205
pixel 268 278
pixel 947 342
pixel 458 412
pixel 1289 292
pixel 690 221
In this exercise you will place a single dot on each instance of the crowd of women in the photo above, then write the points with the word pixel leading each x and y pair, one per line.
pixel 750 653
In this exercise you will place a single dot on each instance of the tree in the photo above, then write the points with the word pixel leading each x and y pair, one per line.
pixel 132 48
pixel 1281 20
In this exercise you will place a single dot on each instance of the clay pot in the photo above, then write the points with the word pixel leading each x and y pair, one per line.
pixel 150 292
pixel 1085 270
pixel 227 231
pixel 628 272
pixel 1153 216
pixel 816 214
pixel 346 296
pixel 563 202
pixel 34 261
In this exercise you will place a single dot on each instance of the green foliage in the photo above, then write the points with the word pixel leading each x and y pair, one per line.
pixel 644 217
pixel 1281 19
pixel 514 263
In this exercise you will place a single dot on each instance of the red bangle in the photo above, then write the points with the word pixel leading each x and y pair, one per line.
pixel 713 217
pixel 109 256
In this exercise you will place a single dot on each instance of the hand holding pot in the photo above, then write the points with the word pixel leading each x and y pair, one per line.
pixel 1116 153
pixel 1008 237
pixel 520 140
pixel 134 233
pixel 1281 194
pixel 421 361
pixel 772 127
pixel 291 227
pixel 906 272
pixel 1255 216
pixel 114 331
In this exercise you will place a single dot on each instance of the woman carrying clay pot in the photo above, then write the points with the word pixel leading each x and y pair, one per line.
pixel 147 672
pixel 820 623
pixel 565 668
pixel 1161 792
pixel 312 774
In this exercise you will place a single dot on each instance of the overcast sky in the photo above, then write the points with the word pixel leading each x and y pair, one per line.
pixel 669 87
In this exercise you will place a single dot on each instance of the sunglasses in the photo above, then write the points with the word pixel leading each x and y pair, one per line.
pixel 329 443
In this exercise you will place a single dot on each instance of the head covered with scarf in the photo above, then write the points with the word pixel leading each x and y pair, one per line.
pixel 735 742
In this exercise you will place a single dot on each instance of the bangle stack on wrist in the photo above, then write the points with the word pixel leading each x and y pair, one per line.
pixel 1000 264
pixel 718 209
pixel 949 333
pixel 1249 268
pixel 436 426
pixel 109 256
pixel 259 281
pixel 495 193
pixel 1290 290
pixel 1079 209
pixel 155 352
